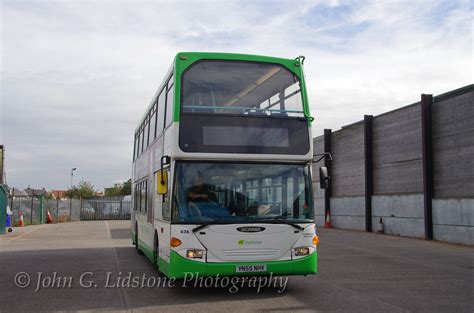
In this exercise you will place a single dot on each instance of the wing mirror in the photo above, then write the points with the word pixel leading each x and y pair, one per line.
pixel 162 176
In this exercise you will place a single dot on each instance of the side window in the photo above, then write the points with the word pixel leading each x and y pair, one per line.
pixel 166 207
pixel 161 112
pixel 135 148
pixel 139 197
pixel 150 201
pixel 142 142
pixel 147 131
pixel 135 197
pixel 153 125
pixel 144 197
pixel 139 144
pixel 169 102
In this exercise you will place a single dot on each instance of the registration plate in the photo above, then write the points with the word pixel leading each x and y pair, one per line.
pixel 251 268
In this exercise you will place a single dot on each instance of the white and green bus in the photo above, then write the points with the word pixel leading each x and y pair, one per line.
pixel 222 169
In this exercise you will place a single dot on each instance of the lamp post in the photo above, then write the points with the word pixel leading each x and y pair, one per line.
pixel 72 175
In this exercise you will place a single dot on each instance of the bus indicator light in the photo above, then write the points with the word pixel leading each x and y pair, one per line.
pixel 315 240
pixel 175 242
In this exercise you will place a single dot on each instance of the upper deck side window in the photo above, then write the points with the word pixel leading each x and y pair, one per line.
pixel 240 88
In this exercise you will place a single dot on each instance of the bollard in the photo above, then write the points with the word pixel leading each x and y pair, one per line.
pixel 3 208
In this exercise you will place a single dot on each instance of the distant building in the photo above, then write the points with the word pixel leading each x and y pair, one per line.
pixel 36 192
pixel 58 194
pixel 15 192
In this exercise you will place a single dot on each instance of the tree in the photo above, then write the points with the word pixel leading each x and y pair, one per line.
pixel 127 188
pixel 83 190
pixel 119 189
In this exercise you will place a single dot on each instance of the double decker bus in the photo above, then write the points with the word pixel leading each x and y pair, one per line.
pixel 222 169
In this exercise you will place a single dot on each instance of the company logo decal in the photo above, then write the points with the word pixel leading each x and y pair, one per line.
pixel 251 229
pixel 249 242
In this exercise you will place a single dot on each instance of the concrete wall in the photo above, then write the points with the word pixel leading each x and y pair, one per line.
pixel 348 212
pixel 397 152
pixel 453 166
pixel 397 168
pixel 453 220
pixel 347 176
pixel 453 146
pixel 402 215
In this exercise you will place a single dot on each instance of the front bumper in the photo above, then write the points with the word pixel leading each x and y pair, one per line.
pixel 179 266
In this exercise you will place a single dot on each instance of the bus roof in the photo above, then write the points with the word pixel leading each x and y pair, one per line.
pixel 234 56
pixel 183 60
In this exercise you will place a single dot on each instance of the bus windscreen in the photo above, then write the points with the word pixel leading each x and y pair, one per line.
pixel 237 87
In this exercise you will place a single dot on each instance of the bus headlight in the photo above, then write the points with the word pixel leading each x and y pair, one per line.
pixel 194 254
pixel 301 251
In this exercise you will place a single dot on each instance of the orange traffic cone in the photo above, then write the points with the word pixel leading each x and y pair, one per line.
pixel 21 223
pixel 49 219
pixel 327 222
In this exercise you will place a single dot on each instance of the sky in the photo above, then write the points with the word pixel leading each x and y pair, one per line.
pixel 77 76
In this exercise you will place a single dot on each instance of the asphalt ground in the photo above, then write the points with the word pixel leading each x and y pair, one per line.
pixel 358 272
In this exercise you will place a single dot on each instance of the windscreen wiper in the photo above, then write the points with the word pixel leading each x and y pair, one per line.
pixel 202 226
pixel 281 221
pixel 218 221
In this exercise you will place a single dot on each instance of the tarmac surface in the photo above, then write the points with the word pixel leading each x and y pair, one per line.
pixel 83 266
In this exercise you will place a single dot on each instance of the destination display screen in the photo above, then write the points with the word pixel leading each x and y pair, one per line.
pixel 245 136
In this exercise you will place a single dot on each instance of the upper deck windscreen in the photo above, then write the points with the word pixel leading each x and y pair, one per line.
pixel 240 88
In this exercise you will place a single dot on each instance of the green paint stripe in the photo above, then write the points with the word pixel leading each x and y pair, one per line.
pixel 179 266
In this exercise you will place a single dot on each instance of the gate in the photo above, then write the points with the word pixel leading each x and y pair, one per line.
pixel 105 209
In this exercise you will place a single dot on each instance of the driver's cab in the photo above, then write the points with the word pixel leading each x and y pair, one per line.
pixel 209 191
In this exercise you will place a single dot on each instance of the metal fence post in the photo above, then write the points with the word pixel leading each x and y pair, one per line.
pixel 368 166
pixel 120 214
pixel 327 163
pixel 32 203
pixel 11 205
pixel 426 101
pixel 57 209
pixel 70 209
pixel 3 208
pixel 41 209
